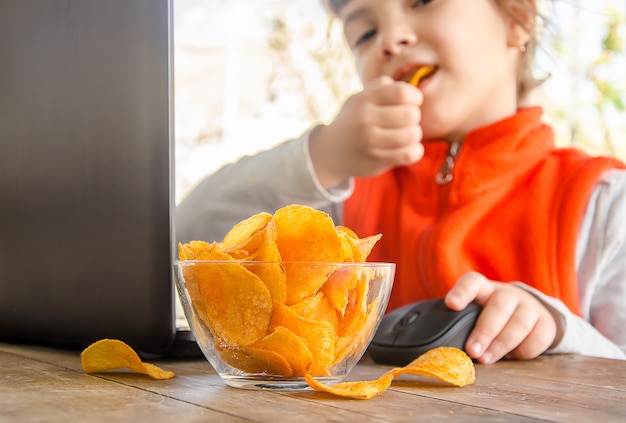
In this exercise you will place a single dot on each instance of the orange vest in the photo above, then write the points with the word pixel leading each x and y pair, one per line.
pixel 511 212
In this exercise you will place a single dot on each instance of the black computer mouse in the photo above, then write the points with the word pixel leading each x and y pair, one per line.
pixel 408 332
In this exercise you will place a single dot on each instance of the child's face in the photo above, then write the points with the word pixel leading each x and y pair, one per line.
pixel 470 42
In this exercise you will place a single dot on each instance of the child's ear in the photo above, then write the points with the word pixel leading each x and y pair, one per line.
pixel 521 25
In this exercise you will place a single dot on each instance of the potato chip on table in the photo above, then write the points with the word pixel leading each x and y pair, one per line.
pixel 447 364
pixel 113 354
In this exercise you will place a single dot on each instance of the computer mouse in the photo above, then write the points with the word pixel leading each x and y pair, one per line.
pixel 408 332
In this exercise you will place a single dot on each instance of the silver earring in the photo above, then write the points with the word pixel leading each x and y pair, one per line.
pixel 522 48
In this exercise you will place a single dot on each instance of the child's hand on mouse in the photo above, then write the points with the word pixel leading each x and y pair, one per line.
pixel 376 129
pixel 513 323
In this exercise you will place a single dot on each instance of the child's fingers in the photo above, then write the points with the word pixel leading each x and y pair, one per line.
pixel 385 91
pixel 393 138
pixel 492 334
pixel 395 116
pixel 472 286
pixel 395 153
pixel 529 348
pixel 512 322
pixel 539 339
pixel 475 287
pixel 509 325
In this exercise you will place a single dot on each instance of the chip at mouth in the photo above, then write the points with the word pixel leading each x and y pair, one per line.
pixel 421 73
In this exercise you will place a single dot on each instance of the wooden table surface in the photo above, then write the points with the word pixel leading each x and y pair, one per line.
pixel 39 384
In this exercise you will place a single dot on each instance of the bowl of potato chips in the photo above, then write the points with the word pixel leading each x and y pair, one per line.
pixel 283 298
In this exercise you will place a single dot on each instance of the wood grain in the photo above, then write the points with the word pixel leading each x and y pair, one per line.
pixel 40 384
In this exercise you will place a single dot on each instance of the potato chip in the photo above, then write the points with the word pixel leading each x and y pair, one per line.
pixel 448 364
pixel 349 251
pixel 190 250
pixel 247 236
pixel 113 354
pixel 338 285
pixel 274 277
pixel 193 275
pixel 272 272
pixel 363 246
pixel 305 281
pixel 358 390
pixel 421 73
pixel 317 308
pixel 305 234
pixel 185 252
pixel 199 245
pixel 356 309
pixel 354 340
pixel 196 275
pixel 319 337
pixel 290 346
pixel 348 239
pixel 347 232
pixel 223 300
pixel 256 360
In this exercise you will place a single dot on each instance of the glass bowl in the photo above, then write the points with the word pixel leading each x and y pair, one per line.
pixel 265 325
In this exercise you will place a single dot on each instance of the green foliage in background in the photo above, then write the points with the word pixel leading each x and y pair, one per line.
pixel 593 111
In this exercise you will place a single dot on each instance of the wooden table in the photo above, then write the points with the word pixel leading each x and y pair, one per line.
pixel 39 384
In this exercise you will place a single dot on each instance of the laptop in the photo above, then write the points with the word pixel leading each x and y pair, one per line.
pixel 86 175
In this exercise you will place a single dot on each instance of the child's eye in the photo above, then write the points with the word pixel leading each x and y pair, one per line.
pixel 365 37
pixel 420 3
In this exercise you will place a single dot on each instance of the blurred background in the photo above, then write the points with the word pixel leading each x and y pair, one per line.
pixel 253 73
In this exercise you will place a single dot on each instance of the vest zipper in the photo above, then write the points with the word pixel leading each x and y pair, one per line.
pixel 445 174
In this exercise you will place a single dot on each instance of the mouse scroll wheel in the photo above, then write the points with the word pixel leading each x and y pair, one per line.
pixel 409 320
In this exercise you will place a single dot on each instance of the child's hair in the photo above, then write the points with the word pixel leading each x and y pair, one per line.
pixel 526 81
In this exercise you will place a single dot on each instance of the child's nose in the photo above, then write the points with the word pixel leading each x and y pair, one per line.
pixel 394 40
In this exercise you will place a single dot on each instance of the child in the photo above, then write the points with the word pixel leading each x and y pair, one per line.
pixel 474 201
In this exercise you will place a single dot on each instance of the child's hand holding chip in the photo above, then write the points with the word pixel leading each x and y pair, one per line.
pixel 377 129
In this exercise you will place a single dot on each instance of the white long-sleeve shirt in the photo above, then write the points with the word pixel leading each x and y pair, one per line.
pixel 284 175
